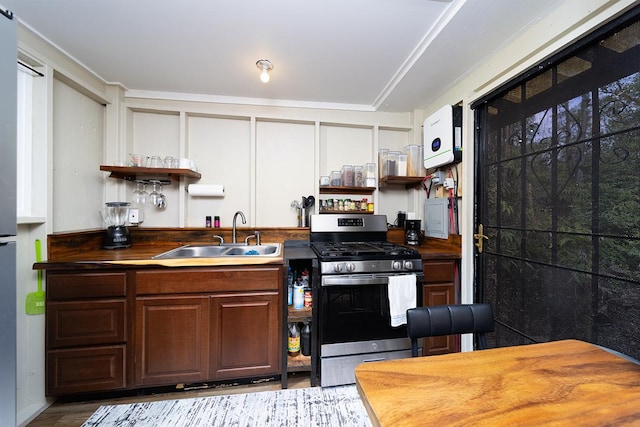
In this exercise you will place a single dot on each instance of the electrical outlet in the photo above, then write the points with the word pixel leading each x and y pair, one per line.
pixel 133 216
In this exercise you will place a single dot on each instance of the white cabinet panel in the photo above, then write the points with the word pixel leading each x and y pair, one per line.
pixel 285 168
pixel 221 147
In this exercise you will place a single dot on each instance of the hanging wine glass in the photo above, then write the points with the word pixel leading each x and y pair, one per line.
pixel 162 200
pixel 139 194
pixel 154 196
pixel 140 197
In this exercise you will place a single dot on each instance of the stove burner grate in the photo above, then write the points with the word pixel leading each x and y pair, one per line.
pixel 360 249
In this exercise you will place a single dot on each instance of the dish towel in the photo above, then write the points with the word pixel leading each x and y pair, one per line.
pixel 402 296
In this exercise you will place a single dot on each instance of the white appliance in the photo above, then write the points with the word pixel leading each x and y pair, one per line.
pixel 8 223
pixel 443 137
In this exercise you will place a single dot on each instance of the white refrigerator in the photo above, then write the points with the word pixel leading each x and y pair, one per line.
pixel 8 223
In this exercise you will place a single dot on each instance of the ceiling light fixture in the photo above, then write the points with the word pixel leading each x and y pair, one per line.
pixel 265 65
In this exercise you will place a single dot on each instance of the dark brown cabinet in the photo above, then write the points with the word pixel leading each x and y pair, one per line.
pixel 245 339
pixel 110 330
pixel 439 289
pixel 172 336
pixel 207 324
pixel 85 332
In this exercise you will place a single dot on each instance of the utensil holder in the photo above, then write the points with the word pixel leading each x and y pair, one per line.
pixel 303 217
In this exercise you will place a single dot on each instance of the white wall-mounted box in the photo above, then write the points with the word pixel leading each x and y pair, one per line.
pixel 443 137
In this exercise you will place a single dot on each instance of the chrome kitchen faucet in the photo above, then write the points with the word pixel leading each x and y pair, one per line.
pixel 244 221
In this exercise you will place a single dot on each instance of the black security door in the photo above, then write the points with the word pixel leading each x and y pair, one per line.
pixel 558 196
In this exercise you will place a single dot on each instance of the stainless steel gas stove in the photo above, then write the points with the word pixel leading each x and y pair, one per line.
pixel 355 264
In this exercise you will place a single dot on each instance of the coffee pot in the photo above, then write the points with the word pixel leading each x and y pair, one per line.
pixel 115 215
pixel 412 232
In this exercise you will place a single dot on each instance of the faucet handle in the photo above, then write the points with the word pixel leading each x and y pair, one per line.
pixel 215 236
pixel 256 235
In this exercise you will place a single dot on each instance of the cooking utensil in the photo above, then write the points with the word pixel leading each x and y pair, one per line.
pixel 310 201
pixel 35 300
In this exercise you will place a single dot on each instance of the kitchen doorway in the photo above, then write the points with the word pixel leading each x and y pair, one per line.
pixel 558 195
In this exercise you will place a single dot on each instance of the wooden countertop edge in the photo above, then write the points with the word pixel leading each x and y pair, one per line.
pixel 130 263
pixel 83 249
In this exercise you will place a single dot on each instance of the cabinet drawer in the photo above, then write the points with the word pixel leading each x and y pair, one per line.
pixel 85 285
pixel 439 271
pixel 85 370
pixel 84 323
pixel 208 280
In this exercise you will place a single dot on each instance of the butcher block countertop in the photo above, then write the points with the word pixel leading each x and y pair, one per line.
pixel 83 249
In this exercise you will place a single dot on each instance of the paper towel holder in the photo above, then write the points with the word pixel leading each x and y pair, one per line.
pixel 204 190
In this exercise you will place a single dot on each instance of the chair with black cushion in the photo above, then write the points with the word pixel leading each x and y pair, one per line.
pixel 450 319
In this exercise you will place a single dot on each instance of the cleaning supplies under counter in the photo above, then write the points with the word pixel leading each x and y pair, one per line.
pixel 203 190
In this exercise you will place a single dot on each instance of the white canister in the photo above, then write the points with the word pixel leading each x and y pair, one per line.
pixel 298 297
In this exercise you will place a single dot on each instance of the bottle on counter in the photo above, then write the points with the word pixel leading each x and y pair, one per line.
pixel 305 339
pixel 207 222
pixel 216 222
pixel 293 345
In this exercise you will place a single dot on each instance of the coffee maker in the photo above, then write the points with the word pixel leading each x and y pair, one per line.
pixel 115 216
pixel 412 232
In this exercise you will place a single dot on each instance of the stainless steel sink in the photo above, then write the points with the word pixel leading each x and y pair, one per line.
pixel 215 251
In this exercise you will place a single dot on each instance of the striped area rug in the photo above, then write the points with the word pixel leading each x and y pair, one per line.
pixel 314 406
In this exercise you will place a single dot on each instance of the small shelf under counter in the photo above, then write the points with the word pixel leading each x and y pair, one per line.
pixel 130 173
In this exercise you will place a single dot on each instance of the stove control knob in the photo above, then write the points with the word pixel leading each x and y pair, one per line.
pixel 396 265
pixel 337 267
pixel 408 265
pixel 350 267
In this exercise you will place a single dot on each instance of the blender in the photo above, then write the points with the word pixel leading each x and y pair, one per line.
pixel 115 216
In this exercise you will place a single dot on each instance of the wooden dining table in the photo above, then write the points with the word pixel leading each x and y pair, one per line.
pixel 558 383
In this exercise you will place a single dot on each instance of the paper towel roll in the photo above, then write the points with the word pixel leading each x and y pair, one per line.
pixel 202 190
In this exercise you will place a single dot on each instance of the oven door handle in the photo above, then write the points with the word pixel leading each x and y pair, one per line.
pixel 361 279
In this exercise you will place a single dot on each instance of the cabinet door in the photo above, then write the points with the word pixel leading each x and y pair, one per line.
pixel 84 370
pixel 85 323
pixel 172 340
pixel 245 338
pixel 439 295
pixel 439 289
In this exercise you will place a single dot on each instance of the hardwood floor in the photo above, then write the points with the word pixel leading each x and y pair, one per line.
pixel 67 413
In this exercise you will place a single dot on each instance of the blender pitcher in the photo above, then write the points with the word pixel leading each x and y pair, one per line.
pixel 115 215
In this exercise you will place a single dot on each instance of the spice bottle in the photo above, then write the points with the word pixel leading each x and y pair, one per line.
pixel 208 222
pixel 216 221
pixel 293 345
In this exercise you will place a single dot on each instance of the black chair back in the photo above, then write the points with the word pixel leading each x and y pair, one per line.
pixel 449 320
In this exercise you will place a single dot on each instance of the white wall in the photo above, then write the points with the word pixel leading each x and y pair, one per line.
pixel 265 157
pixel 78 135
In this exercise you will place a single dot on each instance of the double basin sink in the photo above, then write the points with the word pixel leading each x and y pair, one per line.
pixel 217 251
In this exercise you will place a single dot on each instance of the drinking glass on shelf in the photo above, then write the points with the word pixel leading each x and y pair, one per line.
pixel 137 160
pixel 168 162
pixel 155 162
